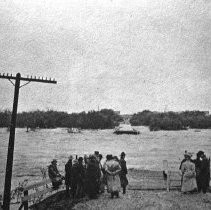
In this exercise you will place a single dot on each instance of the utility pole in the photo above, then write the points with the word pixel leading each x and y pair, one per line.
pixel 9 165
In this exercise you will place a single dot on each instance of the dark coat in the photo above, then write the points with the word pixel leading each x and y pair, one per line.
pixel 123 173
pixel 202 174
pixel 81 171
pixel 74 178
pixel 75 173
pixel 54 175
pixel 92 179
pixel 53 172
pixel 205 173
pixel 197 167
pixel 68 172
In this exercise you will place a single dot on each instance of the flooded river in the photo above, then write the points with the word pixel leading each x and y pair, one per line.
pixel 34 150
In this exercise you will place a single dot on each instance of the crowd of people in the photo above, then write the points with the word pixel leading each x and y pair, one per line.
pixel 195 173
pixel 88 176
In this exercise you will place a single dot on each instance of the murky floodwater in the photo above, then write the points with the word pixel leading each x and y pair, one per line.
pixel 146 151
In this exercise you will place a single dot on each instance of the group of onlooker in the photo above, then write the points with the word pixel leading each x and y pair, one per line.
pixel 195 173
pixel 88 176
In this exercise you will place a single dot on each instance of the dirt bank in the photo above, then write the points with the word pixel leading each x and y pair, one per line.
pixel 159 200
pixel 137 197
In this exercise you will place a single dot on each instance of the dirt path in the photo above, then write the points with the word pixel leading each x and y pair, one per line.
pixel 149 200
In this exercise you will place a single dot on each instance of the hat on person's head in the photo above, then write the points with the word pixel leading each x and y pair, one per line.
pixel 80 159
pixel 96 153
pixel 70 157
pixel 92 157
pixel 109 157
pixel 199 153
pixel 123 154
pixel 115 158
pixel 188 154
pixel 86 157
pixel 54 161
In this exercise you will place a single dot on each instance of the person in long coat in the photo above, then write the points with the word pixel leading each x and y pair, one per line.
pixel 81 177
pixel 197 163
pixel 204 175
pixel 202 165
pixel 188 175
pixel 92 177
pixel 102 183
pixel 123 172
pixel 113 169
pixel 74 177
pixel 54 174
pixel 68 174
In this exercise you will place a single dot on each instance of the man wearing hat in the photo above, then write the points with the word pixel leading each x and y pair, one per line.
pixel 96 155
pixel 203 177
pixel 54 174
pixel 68 174
pixel 123 173
pixel 81 178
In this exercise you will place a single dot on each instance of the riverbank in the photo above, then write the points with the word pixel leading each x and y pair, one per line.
pixel 145 191
pixel 133 199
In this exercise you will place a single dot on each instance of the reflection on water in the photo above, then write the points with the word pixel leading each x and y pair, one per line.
pixel 146 151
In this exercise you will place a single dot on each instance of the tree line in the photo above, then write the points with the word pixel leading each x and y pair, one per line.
pixel 172 120
pixel 107 119
pixel 103 119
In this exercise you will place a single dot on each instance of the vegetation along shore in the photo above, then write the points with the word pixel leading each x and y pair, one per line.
pixel 108 119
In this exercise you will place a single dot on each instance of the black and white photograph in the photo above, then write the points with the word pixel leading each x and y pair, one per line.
pixel 105 104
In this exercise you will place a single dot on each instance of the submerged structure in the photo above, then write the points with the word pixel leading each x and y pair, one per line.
pixel 125 129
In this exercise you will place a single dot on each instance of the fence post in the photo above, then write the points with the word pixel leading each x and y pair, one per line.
pixel 26 206
pixel 166 170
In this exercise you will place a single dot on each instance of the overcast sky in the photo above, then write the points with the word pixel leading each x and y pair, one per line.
pixel 127 55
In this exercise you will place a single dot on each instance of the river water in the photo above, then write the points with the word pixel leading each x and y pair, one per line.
pixel 34 150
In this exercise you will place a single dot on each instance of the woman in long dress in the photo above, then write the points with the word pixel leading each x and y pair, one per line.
pixel 189 175
pixel 113 169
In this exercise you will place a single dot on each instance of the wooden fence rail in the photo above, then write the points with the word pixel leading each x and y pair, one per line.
pixel 40 190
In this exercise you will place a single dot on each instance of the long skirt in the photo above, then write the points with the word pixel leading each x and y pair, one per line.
pixel 188 184
pixel 113 183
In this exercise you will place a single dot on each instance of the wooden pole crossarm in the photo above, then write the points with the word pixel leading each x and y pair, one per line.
pixel 39 80
pixel 29 79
